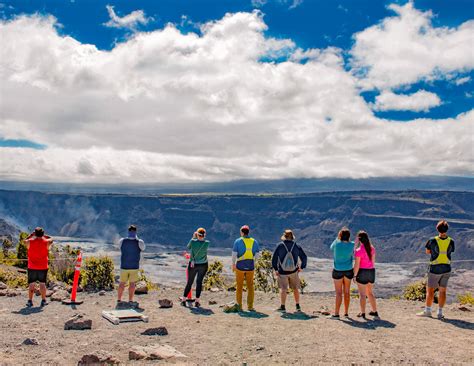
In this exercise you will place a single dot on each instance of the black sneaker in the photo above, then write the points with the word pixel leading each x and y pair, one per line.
pixel 361 315
pixel 374 313
pixel 43 303
pixel 29 304
pixel 298 307
pixel 282 309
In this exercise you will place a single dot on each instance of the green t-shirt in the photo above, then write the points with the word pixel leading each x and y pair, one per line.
pixel 198 250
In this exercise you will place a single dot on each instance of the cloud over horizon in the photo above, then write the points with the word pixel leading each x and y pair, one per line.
pixel 168 106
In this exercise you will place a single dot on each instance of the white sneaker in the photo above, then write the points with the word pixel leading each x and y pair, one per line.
pixel 424 314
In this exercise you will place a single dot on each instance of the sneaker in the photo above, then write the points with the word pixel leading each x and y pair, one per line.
pixel 361 315
pixel 281 309
pixel 346 315
pixel 424 314
pixel 43 303
pixel 29 303
pixel 252 310
pixel 334 316
pixel 440 316
pixel 298 307
pixel 197 304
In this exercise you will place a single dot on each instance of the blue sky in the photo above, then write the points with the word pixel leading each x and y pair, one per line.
pixel 308 24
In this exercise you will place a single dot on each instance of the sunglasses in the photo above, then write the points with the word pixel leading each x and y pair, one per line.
pixel 201 234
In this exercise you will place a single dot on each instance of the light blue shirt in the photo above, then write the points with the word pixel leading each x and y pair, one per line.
pixel 343 253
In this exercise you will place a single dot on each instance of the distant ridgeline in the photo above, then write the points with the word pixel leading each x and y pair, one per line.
pixel 398 222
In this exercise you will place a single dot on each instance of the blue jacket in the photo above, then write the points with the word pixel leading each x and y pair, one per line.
pixel 280 254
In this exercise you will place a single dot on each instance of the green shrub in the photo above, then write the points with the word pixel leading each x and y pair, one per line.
pixel 354 293
pixel 303 284
pixel 417 291
pixel 13 279
pixel 98 273
pixel 6 246
pixel 21 251
pixel 466 299
pixel 265 279
pixel 62 263
pixel 214 277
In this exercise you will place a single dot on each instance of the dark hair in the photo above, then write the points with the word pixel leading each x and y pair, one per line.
pixel 245 231
pixel 39 232
pixel 364 239
pixel 442 227
pixel 344 234
pixel 132 228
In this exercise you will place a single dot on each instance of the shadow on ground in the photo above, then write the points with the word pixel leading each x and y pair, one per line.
pixel 28 311
pixel 201 311
pixel 298 316
pixel 464 324
pixel 369 324
pixel 252 314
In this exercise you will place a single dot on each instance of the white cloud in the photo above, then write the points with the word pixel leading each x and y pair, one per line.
pixel 129 21
pixel 463 80
pixel 164 106
pixel 407 48
pixel 292 3
pixel 422 100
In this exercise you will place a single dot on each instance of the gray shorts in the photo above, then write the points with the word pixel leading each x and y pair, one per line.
pixel 438 280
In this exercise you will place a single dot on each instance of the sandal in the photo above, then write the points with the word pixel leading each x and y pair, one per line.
pixel 361 315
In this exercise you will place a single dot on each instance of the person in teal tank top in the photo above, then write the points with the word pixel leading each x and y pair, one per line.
pixel 342 274
pixel 197 265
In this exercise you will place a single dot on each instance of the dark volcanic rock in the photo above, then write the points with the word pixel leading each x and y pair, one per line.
pixel 78 322
pixel 165 303
pixel 161 331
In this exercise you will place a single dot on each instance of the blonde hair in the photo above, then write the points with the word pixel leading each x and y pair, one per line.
pixel 288 235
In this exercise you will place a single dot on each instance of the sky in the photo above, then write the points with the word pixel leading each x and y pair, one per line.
pixel 176 91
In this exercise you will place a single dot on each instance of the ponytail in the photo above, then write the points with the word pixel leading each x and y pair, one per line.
pixel 364 239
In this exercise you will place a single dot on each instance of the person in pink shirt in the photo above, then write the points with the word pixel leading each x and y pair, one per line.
pixel 364 273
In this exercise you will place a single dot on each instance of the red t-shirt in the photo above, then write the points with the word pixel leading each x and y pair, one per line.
pixel 38 253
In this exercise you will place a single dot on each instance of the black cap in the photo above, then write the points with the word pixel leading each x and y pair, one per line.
pixel 39 232
pixel 132 228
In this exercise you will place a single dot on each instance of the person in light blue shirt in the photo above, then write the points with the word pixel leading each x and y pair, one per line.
pixel 343 272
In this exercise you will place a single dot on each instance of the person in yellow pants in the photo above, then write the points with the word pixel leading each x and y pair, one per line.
pixel 244 253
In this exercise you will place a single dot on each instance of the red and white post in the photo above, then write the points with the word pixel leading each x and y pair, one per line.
pixel 75 283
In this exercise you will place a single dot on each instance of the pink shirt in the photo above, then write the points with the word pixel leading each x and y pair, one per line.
pixel 365 262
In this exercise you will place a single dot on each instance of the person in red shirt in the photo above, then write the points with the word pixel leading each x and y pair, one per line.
pixel 38 246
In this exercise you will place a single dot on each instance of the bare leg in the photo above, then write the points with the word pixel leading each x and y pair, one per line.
pixel 283 295
pixel 131 291
pixel 338 289
pixel 441 297
pixel 43 290
pixel 296 292
pixel 371 296
pixel 121 288
pixel 347 294
pixel 362 297
pixel 429 296
pixel 31 290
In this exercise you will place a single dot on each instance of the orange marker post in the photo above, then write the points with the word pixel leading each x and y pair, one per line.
pixel 75 282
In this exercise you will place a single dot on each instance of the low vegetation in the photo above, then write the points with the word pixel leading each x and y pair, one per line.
pixel 13 279
pixel 265 279
pixel 214 277
pixel 417 291
pixel 466 299
pixel 98 274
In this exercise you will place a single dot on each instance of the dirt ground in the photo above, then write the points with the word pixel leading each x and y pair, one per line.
pixel 211 337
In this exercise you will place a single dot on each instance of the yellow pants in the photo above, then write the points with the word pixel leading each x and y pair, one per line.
pixel 248 276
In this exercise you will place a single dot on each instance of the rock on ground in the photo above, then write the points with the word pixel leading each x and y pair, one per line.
pixel 98 358
pixel 3 286
pixel 78 322
pixel 165 303
pixel 30 342
pixel 141 288
pixel 161 331
pixel 154 352
pixel 59 295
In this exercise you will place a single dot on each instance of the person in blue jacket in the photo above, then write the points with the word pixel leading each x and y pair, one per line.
pixel 288 260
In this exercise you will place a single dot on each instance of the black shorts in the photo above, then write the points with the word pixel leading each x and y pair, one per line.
pixel 366 276
pixel 37 275
pixel 339 275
